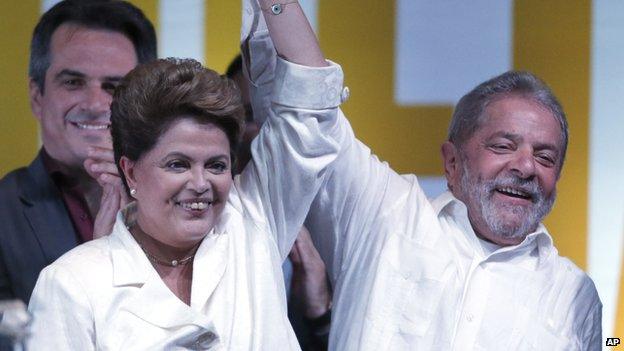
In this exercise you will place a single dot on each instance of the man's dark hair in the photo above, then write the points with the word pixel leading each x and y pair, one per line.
pixel 112 15
pixel 236 66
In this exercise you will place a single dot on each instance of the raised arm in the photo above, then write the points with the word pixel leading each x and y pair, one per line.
pixel 355 188
pixel 294 38
pixel 291 33
pixel 297 143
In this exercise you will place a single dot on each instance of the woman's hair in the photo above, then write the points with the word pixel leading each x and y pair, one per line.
pixel 154 95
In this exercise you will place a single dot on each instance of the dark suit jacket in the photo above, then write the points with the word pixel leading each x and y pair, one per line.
pixel 35 228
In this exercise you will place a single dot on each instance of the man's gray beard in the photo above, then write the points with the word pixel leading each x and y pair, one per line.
pixel 480 192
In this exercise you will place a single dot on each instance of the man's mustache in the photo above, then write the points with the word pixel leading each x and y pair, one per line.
pixel 527 186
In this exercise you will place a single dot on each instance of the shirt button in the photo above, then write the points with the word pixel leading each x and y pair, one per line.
pixel 206 338
pixel 344 95
pixel 469 317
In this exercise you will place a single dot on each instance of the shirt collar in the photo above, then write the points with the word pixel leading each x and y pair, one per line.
pixel 540 238
pixel 72 194
pixel 56 171
pixel 440 202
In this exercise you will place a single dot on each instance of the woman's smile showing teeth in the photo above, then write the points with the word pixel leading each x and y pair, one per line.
pixel 194 205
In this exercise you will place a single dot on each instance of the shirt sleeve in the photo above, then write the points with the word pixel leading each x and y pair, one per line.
pixel 319 154
pixel 297 107
pixel 259 59
pixel 319 169
pixel 591 338
pixel 55 327
pixel 294 149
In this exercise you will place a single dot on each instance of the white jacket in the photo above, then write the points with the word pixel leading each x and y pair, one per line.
pixel 105 294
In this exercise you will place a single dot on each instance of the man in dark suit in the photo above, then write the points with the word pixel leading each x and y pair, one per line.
pixel 80 50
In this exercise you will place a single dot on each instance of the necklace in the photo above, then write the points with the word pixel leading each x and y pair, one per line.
pixel 172 263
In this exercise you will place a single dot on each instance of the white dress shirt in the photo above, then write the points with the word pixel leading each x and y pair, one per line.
pixel 106 295
pixel 410 274
pixel 529 294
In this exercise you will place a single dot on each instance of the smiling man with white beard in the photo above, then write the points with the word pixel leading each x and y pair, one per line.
pixel 474 269
pixel 506 169
pixel 504 156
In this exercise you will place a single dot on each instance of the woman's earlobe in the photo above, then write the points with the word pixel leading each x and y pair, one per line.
pixel 127 168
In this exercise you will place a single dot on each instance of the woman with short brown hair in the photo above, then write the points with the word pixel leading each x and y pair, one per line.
pixel 194 262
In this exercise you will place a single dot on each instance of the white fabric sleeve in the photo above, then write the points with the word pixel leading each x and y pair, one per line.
pixel 259 59
pixel 354 203
pixel 55 325
pixel 301 105
pixel 296 146
pixel 350 199
pixel 591 338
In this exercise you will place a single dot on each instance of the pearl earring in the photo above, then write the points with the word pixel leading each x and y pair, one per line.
pixel 132 191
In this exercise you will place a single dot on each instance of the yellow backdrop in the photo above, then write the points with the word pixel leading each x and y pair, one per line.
pixel 551 38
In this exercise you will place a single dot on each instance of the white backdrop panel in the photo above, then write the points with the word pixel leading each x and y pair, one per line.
pixel 606 165
pixel 444 48
pixel 181 32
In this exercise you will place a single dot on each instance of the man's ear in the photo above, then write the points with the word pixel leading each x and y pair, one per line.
pixel 450 156
pixel 35 95
pixel 127 166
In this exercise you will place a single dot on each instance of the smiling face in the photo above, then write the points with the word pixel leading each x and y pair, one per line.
pixel 74 106
pixel 506 172
pixel 182 183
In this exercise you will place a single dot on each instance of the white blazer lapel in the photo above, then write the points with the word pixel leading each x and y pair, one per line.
pixel 130 265
pixel 208 268
pixel 157 305
pixel 182 327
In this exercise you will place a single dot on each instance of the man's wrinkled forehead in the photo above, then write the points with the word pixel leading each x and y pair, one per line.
pixel 486 117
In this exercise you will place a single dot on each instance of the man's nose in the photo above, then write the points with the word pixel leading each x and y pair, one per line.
pixel 523 164
pixel 97 100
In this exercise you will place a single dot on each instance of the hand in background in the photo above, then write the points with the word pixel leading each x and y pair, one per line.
pixel 101 166
pixel 309 280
